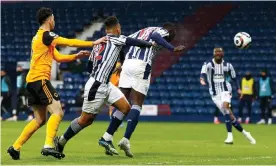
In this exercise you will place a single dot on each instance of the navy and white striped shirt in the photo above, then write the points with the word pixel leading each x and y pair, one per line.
pixel 216 76
pixel 145 54
pixel 103 58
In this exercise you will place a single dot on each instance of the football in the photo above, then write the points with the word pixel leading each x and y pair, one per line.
pixel 242 40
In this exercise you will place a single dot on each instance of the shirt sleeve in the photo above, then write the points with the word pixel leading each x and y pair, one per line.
pixel 63 58
pixel 203 73
pixel 50 38
pixel 119 41
pixel 204 68
pixel 233 76
pixel 157 37
pixel 163 32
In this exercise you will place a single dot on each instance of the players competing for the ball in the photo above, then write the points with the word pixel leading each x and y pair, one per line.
pixel 215 72
pixel 99 90
pixel 42 96
pixel 136 73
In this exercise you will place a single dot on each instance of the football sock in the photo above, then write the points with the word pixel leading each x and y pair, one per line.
pixel 51 131
pixel 27 132
pixel 132 121
pixel 228 123
pixel 116 120
pixel 237 125
pixel 111 112
pixel 71 131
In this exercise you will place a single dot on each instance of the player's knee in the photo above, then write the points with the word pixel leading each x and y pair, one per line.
pixel 86 120
pixel 60 113
pixel 126 108
pixel 41 121
pixel 225 105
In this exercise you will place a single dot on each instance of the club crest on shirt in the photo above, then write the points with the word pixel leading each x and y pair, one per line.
pixel 97 50
pixel 53 34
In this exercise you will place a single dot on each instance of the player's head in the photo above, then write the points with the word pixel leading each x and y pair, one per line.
pixel 45 16
pixel 112 25
pixel 248 75
pixel 264 73
pixel 170 27
pixel 3 72
pixel 19 68
pixel 218 54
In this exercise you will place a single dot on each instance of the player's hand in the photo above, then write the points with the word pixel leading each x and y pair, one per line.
pixel 153 43
pixel 239 91
pixel 101 40
pixel 118 70
pixel 82 54
pixel 241 96
pixel 179 48
pixel 202 82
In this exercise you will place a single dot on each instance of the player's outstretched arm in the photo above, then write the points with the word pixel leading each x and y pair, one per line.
pixel 162 42
pixel 76 42
pixel 233 77
pixel 50 38
pixel 203 75
pixel 68 58
pixel 137 42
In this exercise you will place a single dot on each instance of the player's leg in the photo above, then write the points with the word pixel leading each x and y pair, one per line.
pixel 241 106
pixel 218 102
pixel 269 111
pixel 117 99
pixel 226 99
pixel 94 97
pixel 73 129
pixel 138 100
pixel 52 125
pixel 249 108
pixel 227 113
pixel 126 92
pixel 262 106
pixel 216 115
pixel 40 114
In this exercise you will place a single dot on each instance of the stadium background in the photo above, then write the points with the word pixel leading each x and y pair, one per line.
pixel 175 84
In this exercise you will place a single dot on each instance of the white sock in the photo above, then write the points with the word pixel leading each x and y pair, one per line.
pixel 107 137
pixel 125 138
pixel 244 132
pixel 47 146
pixel 62 141
pixel 230 134
pixel 215 118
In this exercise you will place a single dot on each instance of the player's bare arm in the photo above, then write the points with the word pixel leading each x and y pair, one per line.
pixel 67 58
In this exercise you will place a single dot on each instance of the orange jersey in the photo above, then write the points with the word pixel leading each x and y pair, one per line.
pixel 44 51
pixel 114 79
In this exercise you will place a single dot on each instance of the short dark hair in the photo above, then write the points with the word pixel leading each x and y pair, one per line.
pixel 42 14
pixel 110 22
pixel 169 26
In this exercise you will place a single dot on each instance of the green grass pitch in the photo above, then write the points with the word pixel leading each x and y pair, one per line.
pixel 152 143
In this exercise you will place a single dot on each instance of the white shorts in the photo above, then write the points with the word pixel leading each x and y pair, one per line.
pixel 220 98
pixel 97 94
pixel 136 75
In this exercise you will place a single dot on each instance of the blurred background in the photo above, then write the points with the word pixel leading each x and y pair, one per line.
pixel 175 93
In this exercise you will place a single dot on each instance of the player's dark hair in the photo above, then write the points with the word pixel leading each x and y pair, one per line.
pixel 42 14
pixel 170 27
pixel 110 22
